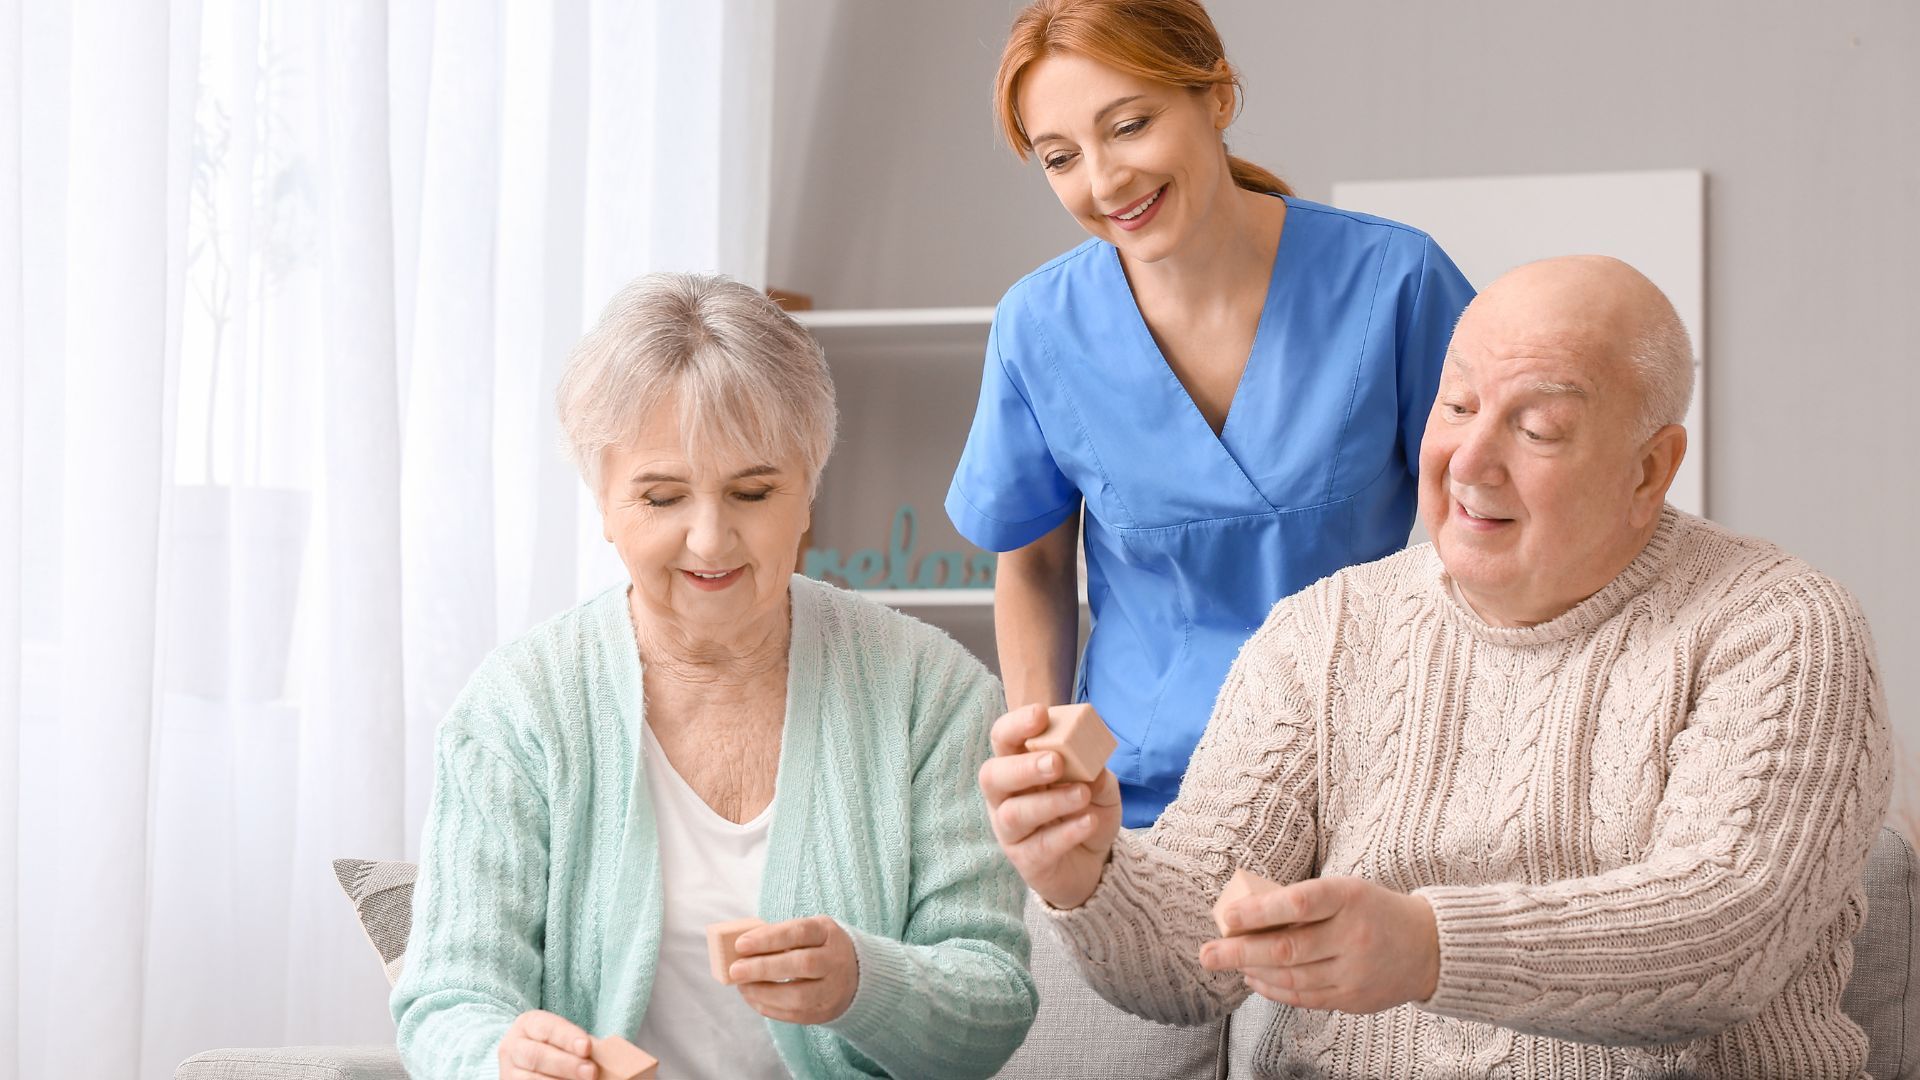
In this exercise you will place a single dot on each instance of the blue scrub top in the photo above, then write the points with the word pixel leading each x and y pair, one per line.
pixel 1191 538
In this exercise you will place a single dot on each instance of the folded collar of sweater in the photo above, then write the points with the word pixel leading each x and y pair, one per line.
pixel 1583 618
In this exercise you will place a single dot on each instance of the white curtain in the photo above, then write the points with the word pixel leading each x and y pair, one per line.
pixel 284 292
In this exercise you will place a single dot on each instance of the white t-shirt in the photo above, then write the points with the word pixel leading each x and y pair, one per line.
pixel 710 872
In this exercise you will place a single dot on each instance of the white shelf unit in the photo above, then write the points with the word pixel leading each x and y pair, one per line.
pixel 942 336
pixel 894 318
pixel 906 598
pixel 907 380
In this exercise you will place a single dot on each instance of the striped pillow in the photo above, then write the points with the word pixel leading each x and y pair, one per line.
pixel 382 895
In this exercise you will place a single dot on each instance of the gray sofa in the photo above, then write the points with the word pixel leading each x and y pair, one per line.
pixel 1079 1035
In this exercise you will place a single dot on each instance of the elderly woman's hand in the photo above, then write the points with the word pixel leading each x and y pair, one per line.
pixel 541 1046
pixel 802 971
pixel 1332 943
pixel 1057 834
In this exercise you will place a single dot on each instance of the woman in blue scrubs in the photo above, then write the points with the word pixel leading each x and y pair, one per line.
pixel 1222 391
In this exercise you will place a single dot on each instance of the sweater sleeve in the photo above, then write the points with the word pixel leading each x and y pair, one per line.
pixel 1249 799
pixel 474 959
pixel 952 996
pixel 1777 782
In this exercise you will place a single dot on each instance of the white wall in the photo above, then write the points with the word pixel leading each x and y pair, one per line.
pixel 891 189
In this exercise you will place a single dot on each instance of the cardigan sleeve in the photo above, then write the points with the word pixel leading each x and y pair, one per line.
pixel 1249 799
pixel 474 958
pixel 952 996
pixel 1776 786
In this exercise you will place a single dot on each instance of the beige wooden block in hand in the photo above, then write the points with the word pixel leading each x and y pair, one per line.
pixel 721 952
pixel 1082 739
pixel 1243 884
pixel 621 1060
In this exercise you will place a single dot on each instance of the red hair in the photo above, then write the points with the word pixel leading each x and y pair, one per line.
pixel 1167 41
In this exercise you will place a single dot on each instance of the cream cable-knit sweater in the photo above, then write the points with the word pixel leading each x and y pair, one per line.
pixel 1641 825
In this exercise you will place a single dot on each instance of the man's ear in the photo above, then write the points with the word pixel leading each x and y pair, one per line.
pixel 1660 458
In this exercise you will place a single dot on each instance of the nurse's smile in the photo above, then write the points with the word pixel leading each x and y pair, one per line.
pixel 1136 214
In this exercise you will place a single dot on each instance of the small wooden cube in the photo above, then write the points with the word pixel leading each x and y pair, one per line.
pixel 721 937
pixel 621 1060
pixel 1242 885
pixel 1083 741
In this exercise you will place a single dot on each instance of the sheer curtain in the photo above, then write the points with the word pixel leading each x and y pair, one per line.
pixel 284 291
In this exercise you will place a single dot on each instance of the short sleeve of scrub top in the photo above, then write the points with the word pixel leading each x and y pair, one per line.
pixel 1026 495
pixel 1192 537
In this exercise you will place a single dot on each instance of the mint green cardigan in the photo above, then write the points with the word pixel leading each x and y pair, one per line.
pixel 539 883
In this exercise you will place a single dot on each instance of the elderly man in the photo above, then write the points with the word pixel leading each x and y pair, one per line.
pixel 1583 788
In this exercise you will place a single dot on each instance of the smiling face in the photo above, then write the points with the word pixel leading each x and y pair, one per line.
pixel 708 544
pixel 1139 164
pixel 1535 483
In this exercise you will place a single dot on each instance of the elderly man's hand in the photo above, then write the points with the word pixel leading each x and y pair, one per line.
pixel 1332 943
pixel 1056 833
pixel 802 971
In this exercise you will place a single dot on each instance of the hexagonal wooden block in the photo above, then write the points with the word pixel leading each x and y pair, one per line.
pixel 621 1060
pixel 1242 884
pixel 721 937
pixel 1082 739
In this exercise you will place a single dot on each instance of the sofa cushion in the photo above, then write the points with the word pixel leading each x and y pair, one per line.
pixel 382 895
pixel 1879 995
pixel 1077 1033
pixel 295 1063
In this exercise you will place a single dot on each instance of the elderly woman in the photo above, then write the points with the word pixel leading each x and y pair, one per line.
pixel 715 738
pixel 1584 788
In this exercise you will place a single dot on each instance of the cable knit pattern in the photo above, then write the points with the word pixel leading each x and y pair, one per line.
pixel 1641 825
pixel 540 877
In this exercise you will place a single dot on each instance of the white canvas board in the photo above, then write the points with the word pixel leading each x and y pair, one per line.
pixel 1654 220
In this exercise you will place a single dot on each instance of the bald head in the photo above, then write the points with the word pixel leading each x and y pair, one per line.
pixel 1617 325
pixel 1554 435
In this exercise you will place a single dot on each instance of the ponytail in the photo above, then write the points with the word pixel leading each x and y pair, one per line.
pixel 1254 178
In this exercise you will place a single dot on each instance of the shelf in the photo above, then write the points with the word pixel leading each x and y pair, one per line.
pixel 936 597
pixel 931 597
pixel 894 318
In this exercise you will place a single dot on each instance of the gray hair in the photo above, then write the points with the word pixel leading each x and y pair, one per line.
pixel 745 375
pixel 1662 359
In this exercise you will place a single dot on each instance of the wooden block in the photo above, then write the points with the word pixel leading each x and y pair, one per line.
pixel 621 1060
pixel 720 944
pixel 1243 884
pixel 790 300
pixel 1083 741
